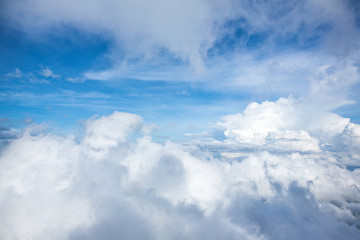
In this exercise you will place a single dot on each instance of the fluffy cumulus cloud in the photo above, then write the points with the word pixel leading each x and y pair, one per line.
pixel 115 182
pixel 289 125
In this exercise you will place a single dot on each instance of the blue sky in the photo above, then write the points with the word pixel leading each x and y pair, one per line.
pixel 173 74
pixel 28 93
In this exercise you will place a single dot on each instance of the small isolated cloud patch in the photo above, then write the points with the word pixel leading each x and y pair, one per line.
pixel 75 80
pixel 16 74
pixel 46 72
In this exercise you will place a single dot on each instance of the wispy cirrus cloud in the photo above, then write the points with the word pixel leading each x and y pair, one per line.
pixel 16 74
pixel 45 75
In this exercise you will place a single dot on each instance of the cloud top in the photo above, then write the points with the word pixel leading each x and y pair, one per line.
pixel 115 182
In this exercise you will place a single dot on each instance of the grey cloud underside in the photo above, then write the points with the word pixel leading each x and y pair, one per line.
pixel 107 186
pixel 6 135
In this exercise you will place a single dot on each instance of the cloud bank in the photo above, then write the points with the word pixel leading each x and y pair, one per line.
pixel 280 175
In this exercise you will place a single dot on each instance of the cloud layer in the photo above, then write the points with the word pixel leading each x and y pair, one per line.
pixel 140 28
pixel 187 30
pixel 277 177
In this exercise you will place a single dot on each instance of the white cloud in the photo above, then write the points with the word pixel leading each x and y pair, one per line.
pixel 100 135
pixel 41 77
pixel 274 124
pixel 46 72
pixel 16 74
pixel 115 182
pixel 75 79
pixel 289 124
pixel 185 28
pixel 37 80
pixel 188 29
